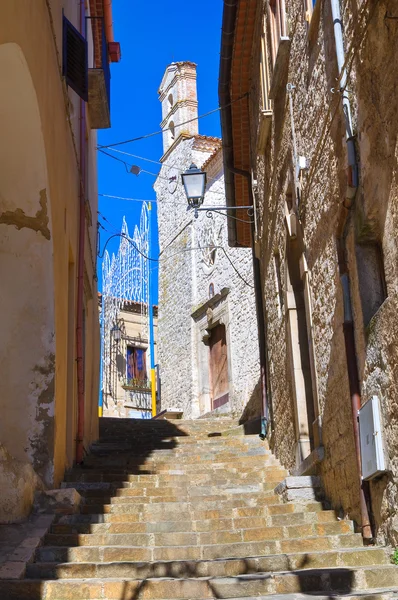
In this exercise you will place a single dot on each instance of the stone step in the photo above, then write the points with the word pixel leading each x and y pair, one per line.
pixel 211 511
pixel 249 458
pixel 318 581
pixel 154 494
pixel 158 505
pixel 204 525
pixel 189 441
pixel 122 589
pixel 180 450
pixel 195 552
pixel 173 477
pixel 211 568
pixel 233 467
pixel 191 538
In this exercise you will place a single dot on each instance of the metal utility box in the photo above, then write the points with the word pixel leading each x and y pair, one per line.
pixel 371 439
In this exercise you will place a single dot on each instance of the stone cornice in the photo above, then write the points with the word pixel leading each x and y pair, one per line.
pixel 210 303
pixel 202 143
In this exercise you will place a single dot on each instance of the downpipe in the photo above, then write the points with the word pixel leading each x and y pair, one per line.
pixel 348 325
pixel 80 270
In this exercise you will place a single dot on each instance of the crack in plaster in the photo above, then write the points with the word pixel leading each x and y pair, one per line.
pixel 38 223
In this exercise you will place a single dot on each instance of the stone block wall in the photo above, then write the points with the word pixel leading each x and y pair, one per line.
pixel 186 272
pixel 370 40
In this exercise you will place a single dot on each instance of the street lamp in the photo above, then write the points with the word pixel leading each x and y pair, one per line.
pixel 194 181
pixel 117 333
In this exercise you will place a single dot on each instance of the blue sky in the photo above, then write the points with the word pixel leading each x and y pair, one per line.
pixel 152 34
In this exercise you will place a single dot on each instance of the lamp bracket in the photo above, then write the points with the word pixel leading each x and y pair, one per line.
pixel 250 210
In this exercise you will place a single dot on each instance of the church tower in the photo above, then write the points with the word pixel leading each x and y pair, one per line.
pixel 178 96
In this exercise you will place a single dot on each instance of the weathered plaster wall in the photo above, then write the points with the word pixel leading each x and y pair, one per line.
pixel 118 401
pixel 185 275
pixel 39 248
pixel 320 137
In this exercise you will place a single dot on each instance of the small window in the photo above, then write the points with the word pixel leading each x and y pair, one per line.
pixel 277 15
pixel 371 278
pixel 75 60
pixel 211 290
pixel 171 101
pixel 172 130
pixel 135 365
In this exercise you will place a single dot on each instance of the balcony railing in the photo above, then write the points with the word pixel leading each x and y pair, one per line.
pixel 99 77
pixel 139 385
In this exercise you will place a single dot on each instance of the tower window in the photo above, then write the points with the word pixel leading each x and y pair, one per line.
pixel 172 130
pixel 171 101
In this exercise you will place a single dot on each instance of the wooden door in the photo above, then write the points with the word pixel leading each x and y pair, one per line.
pixel 218 366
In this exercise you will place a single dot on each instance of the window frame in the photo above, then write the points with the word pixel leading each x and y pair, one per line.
pixel 278 25
pixel 265 76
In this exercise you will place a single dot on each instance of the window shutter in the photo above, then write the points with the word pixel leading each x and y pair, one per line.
pixel 74 62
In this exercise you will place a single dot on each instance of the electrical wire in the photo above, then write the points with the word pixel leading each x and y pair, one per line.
pixel 124 198
pixel 159 260
pixel 148 135
pixel 155 162
pixel 128 166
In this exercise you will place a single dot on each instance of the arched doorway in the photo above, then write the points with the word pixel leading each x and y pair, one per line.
pixel 27 332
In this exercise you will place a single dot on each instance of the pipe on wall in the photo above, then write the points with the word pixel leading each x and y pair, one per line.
pixel 80 270
pixel 348 325
pixel 108 20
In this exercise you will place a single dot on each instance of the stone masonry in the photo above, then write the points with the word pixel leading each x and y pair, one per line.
pixel 371 46
pixel 202 282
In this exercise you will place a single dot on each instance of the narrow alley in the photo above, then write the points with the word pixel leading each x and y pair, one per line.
pixel 198 300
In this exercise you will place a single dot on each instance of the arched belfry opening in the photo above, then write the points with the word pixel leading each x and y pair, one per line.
pixel 27 331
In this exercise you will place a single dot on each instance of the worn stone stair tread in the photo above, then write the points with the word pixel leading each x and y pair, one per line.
pixel 203 525
pixel 207 551
pixel 258 584
pixel 235 535
pixel 217 567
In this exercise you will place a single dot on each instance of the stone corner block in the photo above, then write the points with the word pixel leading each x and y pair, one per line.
pixel 12 570
pixel 60 501
pixel 300 489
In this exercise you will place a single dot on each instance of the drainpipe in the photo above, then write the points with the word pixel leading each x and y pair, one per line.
pixel 348 326
pixel 108 20
pixel 80 269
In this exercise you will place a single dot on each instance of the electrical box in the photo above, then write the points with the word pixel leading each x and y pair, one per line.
pixel 371 439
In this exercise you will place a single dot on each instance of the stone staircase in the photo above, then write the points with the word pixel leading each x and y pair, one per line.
pixel 186 509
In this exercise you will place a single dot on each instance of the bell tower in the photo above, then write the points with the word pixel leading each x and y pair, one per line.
pixel 178 96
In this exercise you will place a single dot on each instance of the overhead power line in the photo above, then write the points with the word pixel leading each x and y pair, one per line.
pixel 148 135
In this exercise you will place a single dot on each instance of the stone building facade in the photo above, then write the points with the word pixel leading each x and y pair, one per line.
pixel 320 151
pixel 125 382
pixel 207 337
pixel 49 351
